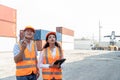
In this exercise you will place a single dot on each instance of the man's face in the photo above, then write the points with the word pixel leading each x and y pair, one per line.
pixel 29 34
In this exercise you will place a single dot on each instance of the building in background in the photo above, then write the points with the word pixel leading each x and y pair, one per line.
pixel 85 44
pixel 7 28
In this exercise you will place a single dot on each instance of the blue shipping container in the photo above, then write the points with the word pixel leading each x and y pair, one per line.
pixel 40 34
pixel 37 35
pixel 59 36
pixel 43 34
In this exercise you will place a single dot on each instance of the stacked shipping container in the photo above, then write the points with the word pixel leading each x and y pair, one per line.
pixel 40 36
pixel 67 38
pixel 7 28
pixel 7 21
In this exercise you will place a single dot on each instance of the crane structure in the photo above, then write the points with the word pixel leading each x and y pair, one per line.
pixel 112 44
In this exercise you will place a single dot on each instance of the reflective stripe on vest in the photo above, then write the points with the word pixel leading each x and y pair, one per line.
pixel 52 79
pixel 26 66
pixel 28 59
pixel 49 73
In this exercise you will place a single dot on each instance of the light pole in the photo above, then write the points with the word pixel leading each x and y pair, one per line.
pixel 99 32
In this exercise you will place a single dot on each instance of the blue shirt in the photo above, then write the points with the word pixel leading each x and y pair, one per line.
pixel 16 49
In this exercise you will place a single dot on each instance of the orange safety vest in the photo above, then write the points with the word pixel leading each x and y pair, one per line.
pixel 49 73
pixel 28 64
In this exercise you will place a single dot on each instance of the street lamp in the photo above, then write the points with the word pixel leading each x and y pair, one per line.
pixel 99 32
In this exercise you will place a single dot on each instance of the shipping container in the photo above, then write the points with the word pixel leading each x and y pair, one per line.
pixel 65 31
pixel 59 36
pixel 37 35
pixel 67 46
pixel 67 38
pixel 21 34
pixel 7 14
pixel 7 29
pixel 60 43
pixel 7 44
pixel 40 44
pixel 41 35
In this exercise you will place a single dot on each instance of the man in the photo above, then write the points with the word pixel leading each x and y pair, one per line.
pixel 25 56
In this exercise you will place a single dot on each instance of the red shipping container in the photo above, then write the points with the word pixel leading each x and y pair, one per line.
pixel 21 34
pixel 40 44
pixel 7 14
pixel 65 31
pixel 7 29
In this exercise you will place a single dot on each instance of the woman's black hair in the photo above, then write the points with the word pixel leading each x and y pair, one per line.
pixel 47 44
pixel 52 34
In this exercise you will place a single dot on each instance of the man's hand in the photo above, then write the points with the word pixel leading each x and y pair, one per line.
pixel 38 74
pixel 19 57
pixel 23 45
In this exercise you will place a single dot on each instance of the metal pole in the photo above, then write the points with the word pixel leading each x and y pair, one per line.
pixel 99 32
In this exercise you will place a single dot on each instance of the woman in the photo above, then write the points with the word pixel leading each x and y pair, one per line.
pixel 50 53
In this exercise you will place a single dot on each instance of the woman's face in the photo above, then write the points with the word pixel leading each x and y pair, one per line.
pixel 51 39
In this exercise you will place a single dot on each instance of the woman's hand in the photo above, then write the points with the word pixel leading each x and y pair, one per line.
pixel 54 66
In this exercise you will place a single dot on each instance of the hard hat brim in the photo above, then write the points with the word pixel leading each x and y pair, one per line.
pixel 50 34
pixel 29 29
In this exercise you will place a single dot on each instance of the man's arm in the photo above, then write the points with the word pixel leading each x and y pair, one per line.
pixel 19 56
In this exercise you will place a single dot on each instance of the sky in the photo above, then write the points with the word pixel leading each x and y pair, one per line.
pixel 82 16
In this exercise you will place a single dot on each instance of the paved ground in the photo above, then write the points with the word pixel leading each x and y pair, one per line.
pixel 80 65
pixel 99 67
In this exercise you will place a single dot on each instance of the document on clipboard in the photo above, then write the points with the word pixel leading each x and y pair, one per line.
pixel 60 61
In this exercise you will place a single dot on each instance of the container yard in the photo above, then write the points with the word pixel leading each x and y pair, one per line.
pixel 87 56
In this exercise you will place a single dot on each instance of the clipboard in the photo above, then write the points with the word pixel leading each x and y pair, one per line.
pixel 59 61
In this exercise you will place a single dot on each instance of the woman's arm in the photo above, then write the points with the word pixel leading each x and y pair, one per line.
pixel 40 61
